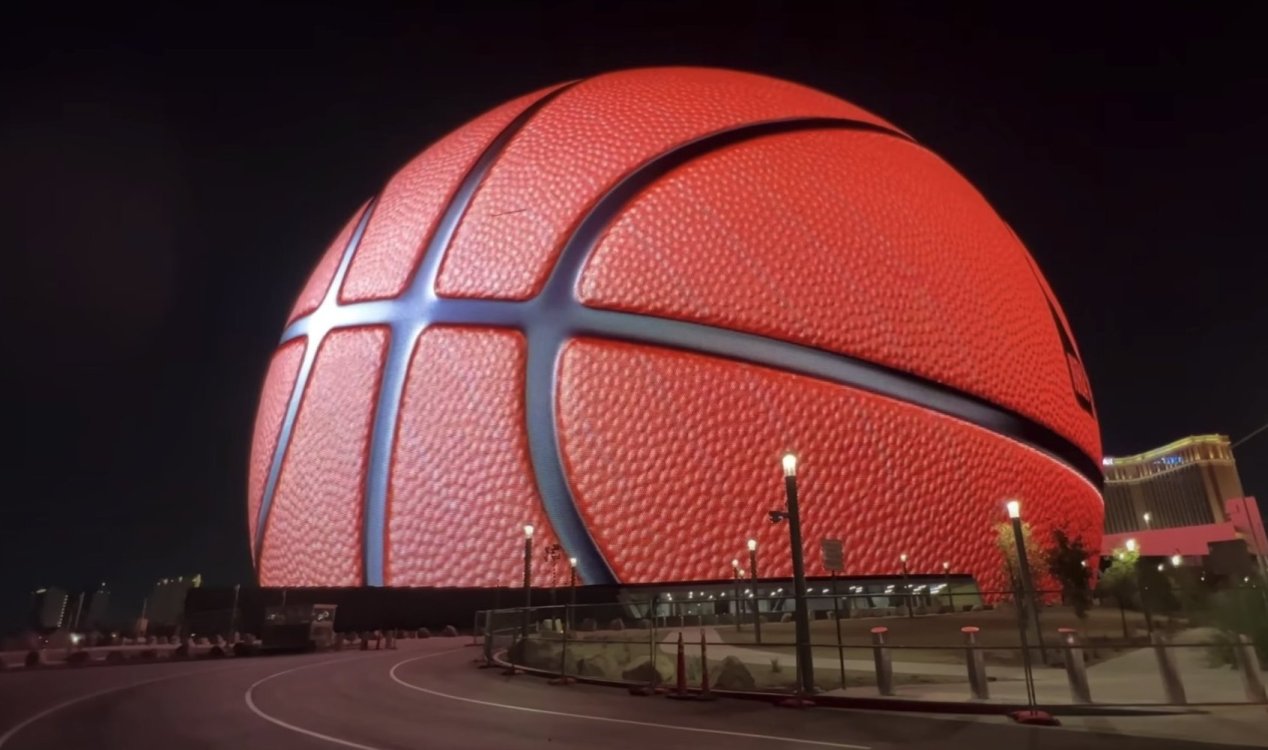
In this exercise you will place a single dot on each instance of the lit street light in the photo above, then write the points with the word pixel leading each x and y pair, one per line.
pixel 906 586
pixel 1177 560
pixel 572 588
pixel 801 616
pixel 757 602
pixel 1025 601
pixel 1130 544
pixel 735 573
pixel 946 584
pixel 1147 518
pixel 528 577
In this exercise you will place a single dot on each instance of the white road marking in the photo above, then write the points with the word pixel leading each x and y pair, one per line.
pixel 609 720
pixel 308 732
pixel 13 730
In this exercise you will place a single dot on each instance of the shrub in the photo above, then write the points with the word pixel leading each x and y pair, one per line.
pixel 216 652
pixel 34 659
pixel 424 633
pixel 148 654
pixel 775 666
pixel 1239 612
pixel 449 632
pixel 114 657
pixel 245 649
pixel 616 624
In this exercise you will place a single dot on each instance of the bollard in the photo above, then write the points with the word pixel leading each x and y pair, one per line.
pixel 884 664
pixel 1167 670
pixel 680 689
pixel 705 694
pixel 1075 667
pixel 1249 664
pixel 976 664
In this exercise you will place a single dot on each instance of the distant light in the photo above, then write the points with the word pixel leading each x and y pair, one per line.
pixel 1161 567
pixel 1176 560
pixel 946 566
pixel 670 597
pixel 1014 508
pixel 572 561
pixel 1131 545
pixel 790 465
pixel 1147 517
pixel 903 557
pixel 528 531
pixel 1107 461
pixel 735 563
pixel 825 591
pixel 76 638
pixel 752 545
pixel 1083 563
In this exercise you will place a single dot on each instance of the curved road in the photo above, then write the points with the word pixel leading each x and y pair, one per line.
pixel 428 694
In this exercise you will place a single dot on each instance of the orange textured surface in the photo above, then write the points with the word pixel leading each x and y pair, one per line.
pixel 313 535
pixel 887 254
pixel 461 477
pixel 319 281
pixel 583 142
pixel 413 200
pixel 279 383
pixel 694 443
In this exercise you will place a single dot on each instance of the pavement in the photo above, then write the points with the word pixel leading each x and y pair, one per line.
pixel 428 694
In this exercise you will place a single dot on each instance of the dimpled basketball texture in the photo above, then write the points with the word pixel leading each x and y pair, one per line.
pixel 847 240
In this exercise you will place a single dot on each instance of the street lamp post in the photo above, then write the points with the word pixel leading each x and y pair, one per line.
pixel 1023 578
pixel 805 656
pixel 528 577
pixel 946 584
pixel 572 589
pixel 906 586
pixel 735 573
pixel 757 601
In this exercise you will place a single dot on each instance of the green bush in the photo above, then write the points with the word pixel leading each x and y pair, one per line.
pixel 1241 611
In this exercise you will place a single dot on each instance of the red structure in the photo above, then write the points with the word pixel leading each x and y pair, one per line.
pixel 607 308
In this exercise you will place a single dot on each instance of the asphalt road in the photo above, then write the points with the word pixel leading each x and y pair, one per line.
pixel 428 694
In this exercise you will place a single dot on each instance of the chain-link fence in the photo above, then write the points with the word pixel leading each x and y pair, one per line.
pixel 985 649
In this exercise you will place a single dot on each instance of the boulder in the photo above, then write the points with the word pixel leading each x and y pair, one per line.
pixel 643 624
pixel 786 617
pixel 424 633
pixel 537 654
pixel 734 674
pixel 114 657
pixel 216 652
pixel 78 659
pixel 34 658
pixel 598 665
pixel 643 671
pixel 449 632
pixel 588 625
pixel 616 624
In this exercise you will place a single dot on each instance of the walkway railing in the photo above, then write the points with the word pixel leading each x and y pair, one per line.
pixel 949 657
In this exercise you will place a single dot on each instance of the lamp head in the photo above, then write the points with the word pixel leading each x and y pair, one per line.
pixel 572 561
pixel 790 464
pixel 1131 545
pixel 903 557
pixel 1014 508
pixel 528 531
pixel 752 545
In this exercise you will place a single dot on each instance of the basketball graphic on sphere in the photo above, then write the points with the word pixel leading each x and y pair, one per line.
pixel 607 308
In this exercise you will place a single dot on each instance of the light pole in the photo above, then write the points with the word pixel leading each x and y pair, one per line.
pixel 757 600
pixel 1023 578
pixel 1147 518
pixel 946 584
pixel 735 571
pixel 572 589
pixel 233 615
pixel 528 577
pixel 906 586
pixel 805 656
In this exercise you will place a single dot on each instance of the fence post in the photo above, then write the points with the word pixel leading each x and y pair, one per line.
pixel 488 637
pixel 563 678
pixel 1167 670
pixel 1075 667
pixel 884 664
pixel 1249 663
pixel 976 663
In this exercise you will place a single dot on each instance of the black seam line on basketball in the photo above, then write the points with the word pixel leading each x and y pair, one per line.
pixel 316 333
pixel 418 301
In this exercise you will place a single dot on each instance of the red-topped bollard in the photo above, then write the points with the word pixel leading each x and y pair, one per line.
pixel 884 663
pixel 976 663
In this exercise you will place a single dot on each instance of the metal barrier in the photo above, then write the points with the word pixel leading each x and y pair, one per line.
pixel 614 644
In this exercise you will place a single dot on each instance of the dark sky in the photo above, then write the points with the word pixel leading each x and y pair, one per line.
pixel 169 178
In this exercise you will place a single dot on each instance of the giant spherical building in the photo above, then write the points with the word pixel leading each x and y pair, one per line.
pixel 607 308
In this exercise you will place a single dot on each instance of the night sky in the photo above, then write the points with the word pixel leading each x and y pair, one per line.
pixel 170 177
